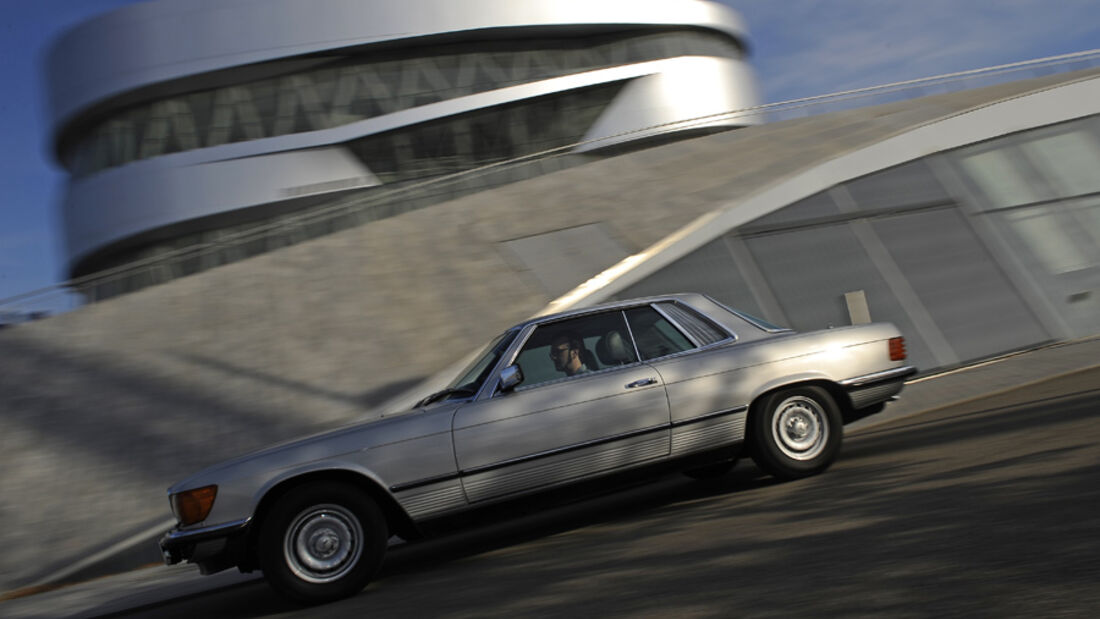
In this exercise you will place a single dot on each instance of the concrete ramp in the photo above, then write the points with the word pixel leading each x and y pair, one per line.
pixel 103 407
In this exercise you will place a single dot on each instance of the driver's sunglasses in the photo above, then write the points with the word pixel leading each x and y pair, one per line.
pixel 554 351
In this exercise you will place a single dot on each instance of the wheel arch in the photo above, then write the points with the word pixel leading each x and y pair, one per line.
pixel 835 391
pixel 397 519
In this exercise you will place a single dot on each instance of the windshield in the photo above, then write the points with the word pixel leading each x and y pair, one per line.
pixel 476 373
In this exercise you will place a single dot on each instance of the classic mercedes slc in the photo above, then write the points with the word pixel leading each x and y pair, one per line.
pixel 671 381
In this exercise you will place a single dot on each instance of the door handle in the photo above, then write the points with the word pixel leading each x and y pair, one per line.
pixel 642 383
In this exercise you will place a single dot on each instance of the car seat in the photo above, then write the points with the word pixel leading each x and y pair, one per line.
pixel 612 349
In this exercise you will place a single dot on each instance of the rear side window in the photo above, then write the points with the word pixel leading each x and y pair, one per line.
pixel 698 328
pixel 654 334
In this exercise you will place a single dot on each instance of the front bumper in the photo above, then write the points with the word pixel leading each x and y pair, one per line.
pixel 212 548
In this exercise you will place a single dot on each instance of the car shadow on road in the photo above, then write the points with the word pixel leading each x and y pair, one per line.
pixel 517 524
pixel 984 510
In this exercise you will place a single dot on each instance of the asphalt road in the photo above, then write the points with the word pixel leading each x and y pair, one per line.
pixel 988 509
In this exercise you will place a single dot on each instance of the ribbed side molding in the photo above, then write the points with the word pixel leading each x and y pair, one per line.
pixel 434 499
pixel 711 431
pixel 564 467
pixel 865 396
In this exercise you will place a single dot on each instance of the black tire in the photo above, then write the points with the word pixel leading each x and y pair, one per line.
pixel 322 542
pixel 796 432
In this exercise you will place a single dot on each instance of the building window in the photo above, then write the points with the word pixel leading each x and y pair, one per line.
pixel 354 88
pixel 475 139
pixel 1069 162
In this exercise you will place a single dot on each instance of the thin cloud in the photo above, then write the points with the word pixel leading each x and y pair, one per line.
pixel 807 47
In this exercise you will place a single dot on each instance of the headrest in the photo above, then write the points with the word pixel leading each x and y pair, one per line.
pixel 612 349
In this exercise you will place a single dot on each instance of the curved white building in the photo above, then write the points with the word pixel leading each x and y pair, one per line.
pixel 180 120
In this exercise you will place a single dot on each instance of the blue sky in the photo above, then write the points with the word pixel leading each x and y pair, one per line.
pixel 800 48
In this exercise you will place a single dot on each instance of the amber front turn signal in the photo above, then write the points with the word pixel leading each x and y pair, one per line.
pixel 897 349
pixel 193 506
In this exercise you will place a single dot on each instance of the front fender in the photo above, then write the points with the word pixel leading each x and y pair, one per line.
pixel 333 467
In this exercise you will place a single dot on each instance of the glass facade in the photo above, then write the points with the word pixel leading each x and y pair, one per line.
pixel 1051 225
pixel 973 252
pixel 492 135
pixel 348 89
pixel 405 160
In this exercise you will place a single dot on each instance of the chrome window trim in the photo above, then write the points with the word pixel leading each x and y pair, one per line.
pixel 699 316
pixel 630 334
pixel 614 368
pixel 675 325
pixel 529 330
pixel 729 340
pixel 492 378
pixel 750 319
pixel 526 329
pixel 507 359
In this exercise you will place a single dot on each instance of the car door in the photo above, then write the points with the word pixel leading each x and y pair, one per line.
pixel 555 427
pixel 701 371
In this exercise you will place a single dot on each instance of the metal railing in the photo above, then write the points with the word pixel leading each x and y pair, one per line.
pixel 345 212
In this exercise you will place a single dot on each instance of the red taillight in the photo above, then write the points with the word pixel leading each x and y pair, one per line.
pixel 897 349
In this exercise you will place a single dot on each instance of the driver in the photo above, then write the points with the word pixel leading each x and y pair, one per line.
pixel 565 351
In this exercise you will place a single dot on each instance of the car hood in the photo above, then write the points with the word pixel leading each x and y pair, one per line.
pixel 321 445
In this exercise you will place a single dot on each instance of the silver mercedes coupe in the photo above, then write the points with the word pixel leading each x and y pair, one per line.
pixel 676 381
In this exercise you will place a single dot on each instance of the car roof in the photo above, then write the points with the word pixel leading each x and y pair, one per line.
pixel 684 297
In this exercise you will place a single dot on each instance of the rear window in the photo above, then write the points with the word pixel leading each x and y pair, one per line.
pixel 654 335
pixel 698 328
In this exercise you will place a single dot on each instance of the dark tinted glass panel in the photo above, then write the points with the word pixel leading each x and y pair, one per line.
pixel 699 328
pixel 479 138
pixel 575 347
pixel 355 88
pixel 654 334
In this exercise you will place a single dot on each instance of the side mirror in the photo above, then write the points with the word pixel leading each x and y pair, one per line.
pixel 510 377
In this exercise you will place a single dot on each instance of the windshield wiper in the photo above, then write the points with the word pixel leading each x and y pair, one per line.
pixel 439 395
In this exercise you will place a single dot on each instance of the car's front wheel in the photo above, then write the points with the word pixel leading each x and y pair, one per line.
pixel 796 432
pixel 322 542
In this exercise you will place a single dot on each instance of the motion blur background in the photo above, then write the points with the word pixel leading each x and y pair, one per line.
pixel 282 216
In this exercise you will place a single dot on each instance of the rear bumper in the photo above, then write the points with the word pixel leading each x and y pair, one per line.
pixel 213 548
pixel 872 389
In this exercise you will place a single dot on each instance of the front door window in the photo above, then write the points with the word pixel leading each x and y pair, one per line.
pixel 575 347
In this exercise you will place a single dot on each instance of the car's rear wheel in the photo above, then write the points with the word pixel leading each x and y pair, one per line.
pixel 796 432
pixel 322 542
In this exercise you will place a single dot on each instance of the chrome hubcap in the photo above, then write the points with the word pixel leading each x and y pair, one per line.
pixel 323 543
pixel 799 428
